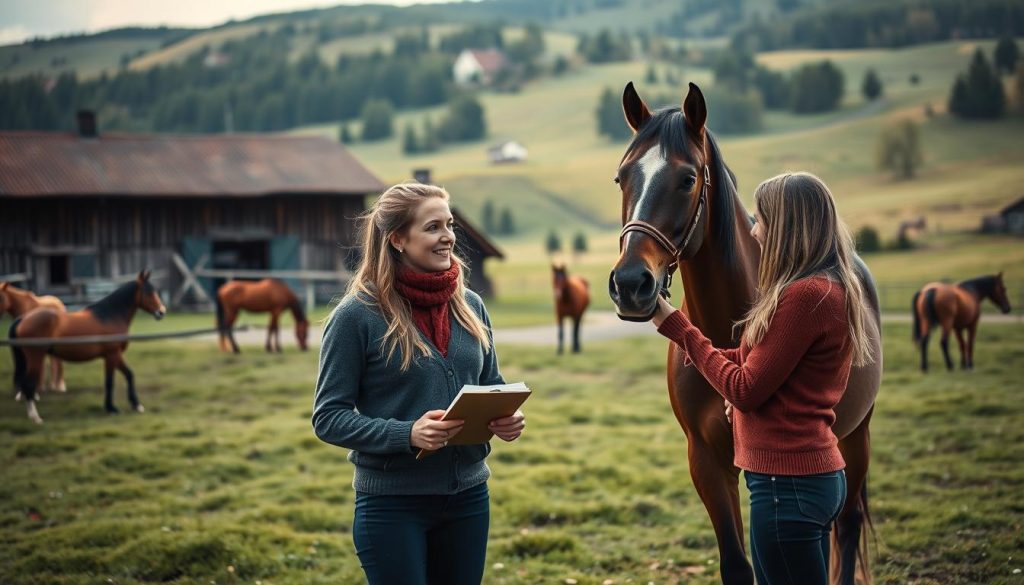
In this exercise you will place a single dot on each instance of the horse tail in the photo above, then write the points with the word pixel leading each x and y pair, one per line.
pixel 20 365
pixel 221 326
pixel 917 318
pixel 862 566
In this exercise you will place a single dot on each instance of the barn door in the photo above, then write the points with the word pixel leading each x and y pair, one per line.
pixel 192 250
pixel 284 255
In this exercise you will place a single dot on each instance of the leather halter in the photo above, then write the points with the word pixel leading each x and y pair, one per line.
pixel 668 244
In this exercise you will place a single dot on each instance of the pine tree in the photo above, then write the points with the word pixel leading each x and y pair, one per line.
pixel 610 121
pixel 1006 55
pixel 553 244
pixel 872 86
pixel 409 143
pixel 652 75
pixel 508 226
pixel 488 217
pixel 980 94
pixel 579 243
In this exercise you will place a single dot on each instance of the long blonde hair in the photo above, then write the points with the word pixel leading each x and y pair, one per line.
pixel 374 281
pixel 803 236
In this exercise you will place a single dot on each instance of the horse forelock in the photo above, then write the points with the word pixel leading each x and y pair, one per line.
pixel 667 130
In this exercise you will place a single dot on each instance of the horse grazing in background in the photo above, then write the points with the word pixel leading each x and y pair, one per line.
pixel 956 307
pixel 680 209
pixel 111 315
pixel 265 295
pixel 572 296
pixel 17 302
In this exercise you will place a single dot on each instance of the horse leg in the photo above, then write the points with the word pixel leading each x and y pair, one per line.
pixel 849 560
pixel 59 367
pixel 924 352
pixel 576 334
pixel 560 335
pixel 277 332
pixel 108 385
pixel 269 345
pixel 963 347
pixel 28 378
pixel 231 314
pixel 944 342
pixel 717 483
pixel 129 377
pixel 972 331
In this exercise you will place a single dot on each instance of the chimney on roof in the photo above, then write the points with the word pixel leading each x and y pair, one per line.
pixel 87 124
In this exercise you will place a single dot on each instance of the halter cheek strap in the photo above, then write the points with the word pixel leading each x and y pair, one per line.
pixel 675 251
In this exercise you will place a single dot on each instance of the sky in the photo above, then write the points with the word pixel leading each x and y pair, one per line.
pixel 24 19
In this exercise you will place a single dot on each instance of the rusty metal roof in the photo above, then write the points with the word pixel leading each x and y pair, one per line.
pixel 39 164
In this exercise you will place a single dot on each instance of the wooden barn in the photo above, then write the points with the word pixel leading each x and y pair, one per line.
pixel 87 208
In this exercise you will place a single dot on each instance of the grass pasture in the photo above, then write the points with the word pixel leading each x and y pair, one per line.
pixel 221 480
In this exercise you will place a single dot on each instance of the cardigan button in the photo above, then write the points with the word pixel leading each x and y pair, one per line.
pixel 451 373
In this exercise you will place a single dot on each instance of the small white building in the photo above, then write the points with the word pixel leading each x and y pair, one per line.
pixel 509 151
pixel 478 66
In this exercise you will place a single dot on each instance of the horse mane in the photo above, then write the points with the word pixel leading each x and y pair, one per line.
pixel 984 285
pixel 668 127
pixel 117 305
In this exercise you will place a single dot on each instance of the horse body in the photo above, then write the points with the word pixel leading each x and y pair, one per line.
pixel 17 302
pixel 718 266
pixel 112 315
pixel 957 308
pixel 267 295
pixel 572 297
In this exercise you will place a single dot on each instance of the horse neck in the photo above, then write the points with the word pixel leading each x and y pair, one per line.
pixel 119 305
pixel 719 291
pixel 298 315
pixel 21 302
pixel 978 288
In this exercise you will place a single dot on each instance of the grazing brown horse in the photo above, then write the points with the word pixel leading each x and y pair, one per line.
pixel 17 302
pixel 956 307
pixel 265 295
pixel 572 296
pixel 680 209
pixel 111 315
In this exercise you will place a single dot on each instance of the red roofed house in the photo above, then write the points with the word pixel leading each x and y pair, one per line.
pixel 77 208
pixel 478 66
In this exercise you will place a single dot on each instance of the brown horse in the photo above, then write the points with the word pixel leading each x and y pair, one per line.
pixel 111 315
pixel 572 296
pixel 17 302
pixel 680 209
pixel 268 294
pixel 956 307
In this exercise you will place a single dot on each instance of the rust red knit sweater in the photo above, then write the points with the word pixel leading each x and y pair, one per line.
pixel 428 294
pixel 783 389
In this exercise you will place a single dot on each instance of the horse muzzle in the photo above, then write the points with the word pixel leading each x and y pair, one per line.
pixel 158 314
pixel 634 290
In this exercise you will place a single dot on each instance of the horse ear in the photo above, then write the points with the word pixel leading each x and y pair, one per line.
pixel 4 285
pixel 636 111
pixel 695 110
pixel 145 274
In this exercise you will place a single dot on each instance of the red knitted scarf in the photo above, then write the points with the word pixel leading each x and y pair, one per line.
pixel 428 294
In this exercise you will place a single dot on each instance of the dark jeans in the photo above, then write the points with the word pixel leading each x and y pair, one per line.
pixel 790 520
pixel 420 540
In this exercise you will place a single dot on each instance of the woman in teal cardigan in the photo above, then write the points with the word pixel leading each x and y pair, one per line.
pixel 395 352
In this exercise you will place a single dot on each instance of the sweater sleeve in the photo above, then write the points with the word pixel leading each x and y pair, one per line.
pixel 748 383
pixel 489 373
pixel 342 366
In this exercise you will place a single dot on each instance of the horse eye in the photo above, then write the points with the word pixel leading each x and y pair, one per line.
pixel 616 180
pixel 689 182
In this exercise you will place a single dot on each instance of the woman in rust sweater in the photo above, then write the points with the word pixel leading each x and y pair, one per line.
pixel 800 338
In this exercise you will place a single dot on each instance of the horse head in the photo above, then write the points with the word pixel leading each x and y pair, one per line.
pixel 999 295
pixel 147 297
pixel 301 333
pixel 665 178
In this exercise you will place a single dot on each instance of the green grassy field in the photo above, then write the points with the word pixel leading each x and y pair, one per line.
pixel 222 480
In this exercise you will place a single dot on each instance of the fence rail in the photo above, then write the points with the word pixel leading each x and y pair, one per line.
pixel 48 341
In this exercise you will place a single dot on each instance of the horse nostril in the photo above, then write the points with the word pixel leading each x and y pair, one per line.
pixel 647 285
pixel 613 289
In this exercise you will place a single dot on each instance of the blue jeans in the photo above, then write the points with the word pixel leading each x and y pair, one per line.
pixel 421 540
pixel 790 520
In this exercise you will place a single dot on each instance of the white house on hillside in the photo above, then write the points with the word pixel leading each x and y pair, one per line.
pixel 507 152
pixel 478 66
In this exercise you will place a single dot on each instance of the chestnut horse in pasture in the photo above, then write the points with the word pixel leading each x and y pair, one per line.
pixel 955 307
pixel 17 302
pixel 267 295
pixel 572 296
pixel 111 315
pixel 680 209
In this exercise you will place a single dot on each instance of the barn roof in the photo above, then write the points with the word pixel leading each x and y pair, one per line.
pixel 490 60
pixel 40 164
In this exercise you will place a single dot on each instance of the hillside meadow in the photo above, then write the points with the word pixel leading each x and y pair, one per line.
pixel 222 480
